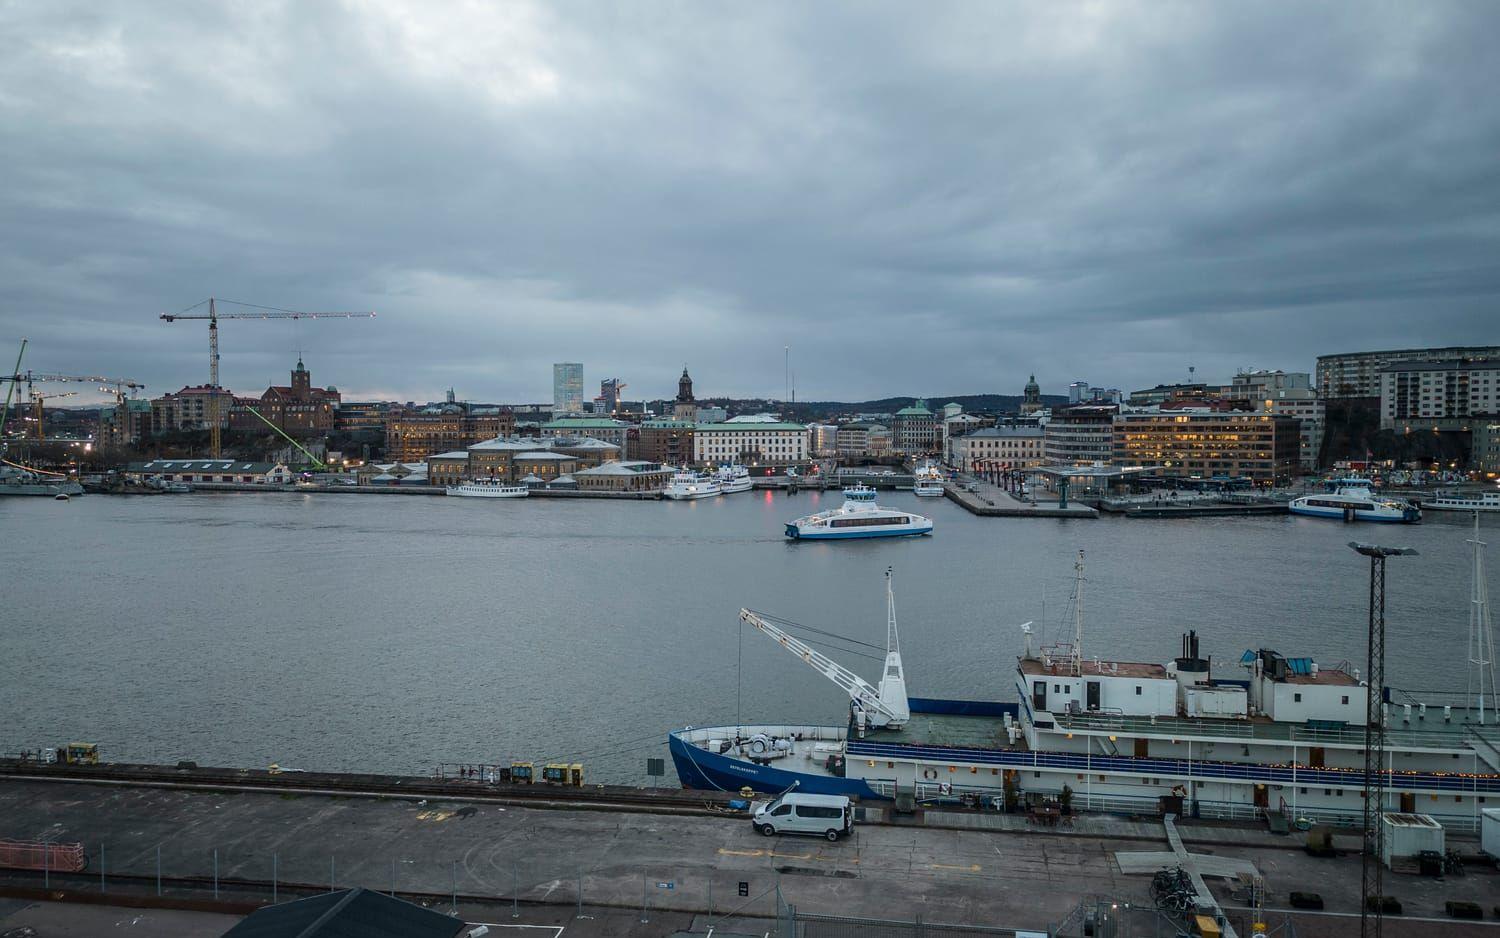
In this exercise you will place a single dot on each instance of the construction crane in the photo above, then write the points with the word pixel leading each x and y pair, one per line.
pixel 9 392
pixel 39 416
pixel 118 385
pixel 885 706
pixel 213 316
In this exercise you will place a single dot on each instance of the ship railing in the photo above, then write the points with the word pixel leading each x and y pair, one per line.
pixel 1244 729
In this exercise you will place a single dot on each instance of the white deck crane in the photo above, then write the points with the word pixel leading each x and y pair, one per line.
pixel 883 707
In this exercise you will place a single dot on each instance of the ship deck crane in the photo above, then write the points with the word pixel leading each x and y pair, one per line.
pixel 885 706
pixel 213 316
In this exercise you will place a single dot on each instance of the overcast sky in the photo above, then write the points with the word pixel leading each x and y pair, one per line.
pixel 918 198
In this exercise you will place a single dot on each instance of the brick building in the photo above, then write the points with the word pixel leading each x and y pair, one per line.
pixel 413 435
pixel 297 409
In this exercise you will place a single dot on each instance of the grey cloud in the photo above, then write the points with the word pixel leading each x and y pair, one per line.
pixel 932 200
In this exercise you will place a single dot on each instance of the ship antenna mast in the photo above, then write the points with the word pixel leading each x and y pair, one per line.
pixel 1481 635
pixel 892 640
pixel 1078 614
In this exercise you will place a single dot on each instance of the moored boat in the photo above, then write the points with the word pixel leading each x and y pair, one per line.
pixel 1463 501
pixel 927 481
pixel 486 488
pixel 858 517
pixel 731 479
pixel 1355 499
pixel 688 485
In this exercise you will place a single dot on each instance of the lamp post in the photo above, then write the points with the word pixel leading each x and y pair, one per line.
pixel 1372 872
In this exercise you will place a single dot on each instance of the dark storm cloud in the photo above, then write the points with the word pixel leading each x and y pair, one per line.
pixel 933 199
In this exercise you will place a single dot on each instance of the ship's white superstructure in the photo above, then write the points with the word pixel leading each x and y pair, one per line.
pixel 1463 501
pixel 687 485
pixel 858 517
pixel 487 488
pixel 927 481
pixel 731 479
pixel 1354 499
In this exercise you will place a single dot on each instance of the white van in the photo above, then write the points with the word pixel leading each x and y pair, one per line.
pixel 830 816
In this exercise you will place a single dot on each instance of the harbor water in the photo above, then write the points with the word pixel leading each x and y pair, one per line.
pixel 348 632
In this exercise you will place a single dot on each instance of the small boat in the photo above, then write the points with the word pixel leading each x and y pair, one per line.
pixel 928 482
pixel 733 479
pixel 1463 501
pixel 59 497
pixel 687 485
pixel 487 488
pixel 859 516
pixel 1354 499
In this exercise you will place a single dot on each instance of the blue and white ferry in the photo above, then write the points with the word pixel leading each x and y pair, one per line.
pixel 859 516
pixel 1354 499
pixel 1260 735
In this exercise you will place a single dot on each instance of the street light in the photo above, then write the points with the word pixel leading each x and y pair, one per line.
pixel 1371 869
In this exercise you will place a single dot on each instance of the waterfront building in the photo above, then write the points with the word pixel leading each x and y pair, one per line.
pixel 624 476
pixel 754 442
pixel 448 468
pixel 124 424
pixel 1009 447
pixel 1484 454
pixel 297 409
pixel 609 430
pixel 954 426
pixel 543 464
pixel 863 438
pixel 1357 374
pixel 822 439
pixel 914 429
pixel 412 436
pixel 567 388
pixel 684 408
pixel 191 408
pixel 712 414
pixel 1175 393
pixel 1031 397
pixel 209 470
pixel 1201 443
pixel 1438 395
pixel 356 416
pixel 669 442
pixel 1291 395
pixel 1080 434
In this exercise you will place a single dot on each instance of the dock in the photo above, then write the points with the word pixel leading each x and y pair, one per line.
pixel 994 502
pixel 1195 508
pixel 213 845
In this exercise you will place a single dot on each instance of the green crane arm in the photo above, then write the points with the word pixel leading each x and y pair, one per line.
pixel 316 461
pixel 8 392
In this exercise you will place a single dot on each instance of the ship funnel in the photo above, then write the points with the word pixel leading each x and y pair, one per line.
pixel 1191 667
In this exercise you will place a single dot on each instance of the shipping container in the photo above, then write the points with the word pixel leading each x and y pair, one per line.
pixel 1489 832
pixel 1407 835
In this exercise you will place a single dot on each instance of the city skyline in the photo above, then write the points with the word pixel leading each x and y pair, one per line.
pixel 1104 194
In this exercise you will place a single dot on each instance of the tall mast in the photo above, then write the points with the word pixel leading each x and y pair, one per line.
pixel 213 381
pixel 892 640
pixel 1078 614
pixel 1481 635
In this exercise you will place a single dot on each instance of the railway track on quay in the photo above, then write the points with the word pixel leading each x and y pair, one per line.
pixel 537 795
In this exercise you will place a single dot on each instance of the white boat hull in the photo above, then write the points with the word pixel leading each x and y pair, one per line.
pixel 485 490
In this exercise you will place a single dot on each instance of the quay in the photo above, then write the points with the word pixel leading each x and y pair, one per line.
pixel 196 846
pixel 1198 508
pixel 992 501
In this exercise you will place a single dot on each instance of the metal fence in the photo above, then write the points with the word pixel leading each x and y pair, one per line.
pixel 801 925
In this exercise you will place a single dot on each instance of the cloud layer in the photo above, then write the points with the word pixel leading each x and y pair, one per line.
pixel 917 199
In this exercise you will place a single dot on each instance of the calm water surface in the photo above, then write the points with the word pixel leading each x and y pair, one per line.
pixel 392 632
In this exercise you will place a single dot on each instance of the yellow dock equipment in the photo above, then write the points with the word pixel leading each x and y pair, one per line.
pixel 555 773
pixel 81 754
pixel 1205 925
pixel 575 775
pixel 521 772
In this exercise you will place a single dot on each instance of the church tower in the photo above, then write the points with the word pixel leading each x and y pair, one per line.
pixel 1031 398
pixel 685 408
pixel 301 381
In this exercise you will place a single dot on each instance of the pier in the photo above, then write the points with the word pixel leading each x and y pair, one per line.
pixel 992 501
pixel 193 839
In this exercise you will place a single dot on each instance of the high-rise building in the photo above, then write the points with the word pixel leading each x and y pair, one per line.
pixel 1438 395
pixel 1357 374
pixel 1287 394
pixel 567 388
pixel 1078 392
pixel 608 401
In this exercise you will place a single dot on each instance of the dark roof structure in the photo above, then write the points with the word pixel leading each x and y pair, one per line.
pixel 351 913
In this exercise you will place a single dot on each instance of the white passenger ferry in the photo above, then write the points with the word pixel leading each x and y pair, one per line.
pixel 1464 501
pixel 687 485
pixel 733 479
pixel 859 516
pixel 1263 736
pixel 486 488
pixel 927 482
pixel 1354 499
